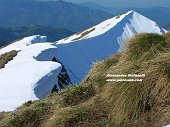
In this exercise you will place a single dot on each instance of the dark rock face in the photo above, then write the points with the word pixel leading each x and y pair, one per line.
pixel 63 77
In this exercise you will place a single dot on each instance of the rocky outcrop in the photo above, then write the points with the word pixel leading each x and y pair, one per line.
pixel 63 77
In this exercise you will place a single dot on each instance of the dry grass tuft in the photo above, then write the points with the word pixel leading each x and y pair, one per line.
pixel 84 33
pixel 77 95
pixel 145 46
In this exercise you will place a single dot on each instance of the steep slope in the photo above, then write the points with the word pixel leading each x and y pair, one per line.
pixel 49 13
pixel 26 76
pixel 80 51
pixel 97 103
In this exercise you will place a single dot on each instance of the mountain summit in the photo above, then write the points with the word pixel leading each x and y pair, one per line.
pixel 32 68
pixel 101 42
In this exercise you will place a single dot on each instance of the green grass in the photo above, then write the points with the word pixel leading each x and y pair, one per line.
pixel 145 46
pixel 27 116
pixel 76 95
pixel 111 61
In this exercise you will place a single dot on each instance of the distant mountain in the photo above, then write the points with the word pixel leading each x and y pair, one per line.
pixel 36 67
pixel 158 14
pixel 168 27
pixel 49 13
pixel 10 34
pixel 95 6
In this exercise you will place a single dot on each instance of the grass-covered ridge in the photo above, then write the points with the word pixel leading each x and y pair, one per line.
pixel 6 57
pixel 97 103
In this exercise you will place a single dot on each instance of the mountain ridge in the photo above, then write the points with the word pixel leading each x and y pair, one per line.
pixel 123 27
pixel 74 55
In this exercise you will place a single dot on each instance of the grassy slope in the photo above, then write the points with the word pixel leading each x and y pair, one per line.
pixel 5 58
pixel 97 103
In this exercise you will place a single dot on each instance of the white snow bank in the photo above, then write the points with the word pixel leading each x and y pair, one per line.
pixel 31 75
pixel 19 45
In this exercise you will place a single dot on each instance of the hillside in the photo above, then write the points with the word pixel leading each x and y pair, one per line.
pixel 10 34
pixel 49 13
pixel 36 62
pixel 97 103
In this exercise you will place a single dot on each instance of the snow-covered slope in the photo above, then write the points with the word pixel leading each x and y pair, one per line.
pixel 134 23
pixel 40 65
pixel 31 75
pixel 79 51
pixel 19 45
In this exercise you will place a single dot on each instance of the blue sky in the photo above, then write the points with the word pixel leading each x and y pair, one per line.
pixel 127 3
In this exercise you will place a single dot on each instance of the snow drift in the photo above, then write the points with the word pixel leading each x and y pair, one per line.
pixel 31 75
